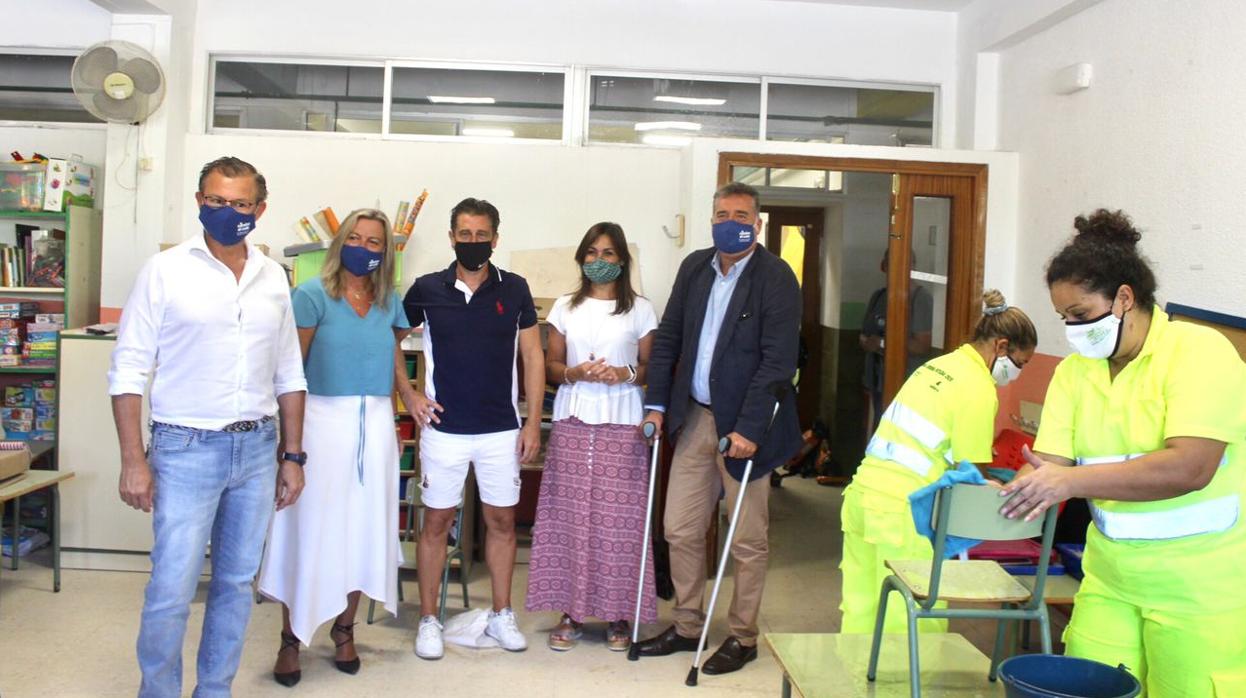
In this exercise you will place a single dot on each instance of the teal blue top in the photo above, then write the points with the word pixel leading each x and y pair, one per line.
pixel 350 355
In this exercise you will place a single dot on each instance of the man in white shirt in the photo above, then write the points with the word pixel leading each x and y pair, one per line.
pixel 214 314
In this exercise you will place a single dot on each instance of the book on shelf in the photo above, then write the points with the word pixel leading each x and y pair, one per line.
pixel 46 264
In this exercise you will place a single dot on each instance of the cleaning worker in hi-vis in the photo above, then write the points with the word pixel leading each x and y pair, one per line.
pixel 943 415
pixel 1153 415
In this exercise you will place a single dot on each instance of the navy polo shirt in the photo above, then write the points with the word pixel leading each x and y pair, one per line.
pixel 470 346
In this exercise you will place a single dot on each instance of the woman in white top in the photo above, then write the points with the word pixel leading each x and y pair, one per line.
pixel 590 519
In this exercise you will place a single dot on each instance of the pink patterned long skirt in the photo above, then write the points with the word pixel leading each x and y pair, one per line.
pixel 590 523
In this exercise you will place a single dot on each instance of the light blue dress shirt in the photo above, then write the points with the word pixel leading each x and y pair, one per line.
pixel 715 313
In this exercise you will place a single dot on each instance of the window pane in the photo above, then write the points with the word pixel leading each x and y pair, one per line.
pixel 37 88
pixel 661 111
pixel 501 103
pixel 817 114
pixel 754 176
pixel 298 97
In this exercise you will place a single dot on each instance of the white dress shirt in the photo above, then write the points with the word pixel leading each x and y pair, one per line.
pixel 222 348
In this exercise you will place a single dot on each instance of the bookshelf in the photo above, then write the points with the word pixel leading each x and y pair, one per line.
pixel 78 300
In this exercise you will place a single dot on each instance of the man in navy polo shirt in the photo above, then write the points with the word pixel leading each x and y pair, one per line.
pixel 475 316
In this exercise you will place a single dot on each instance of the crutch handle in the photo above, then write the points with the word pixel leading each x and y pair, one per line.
pixel 724 445
pixel 648 429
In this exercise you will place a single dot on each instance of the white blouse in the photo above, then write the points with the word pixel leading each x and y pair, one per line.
pixel 592 333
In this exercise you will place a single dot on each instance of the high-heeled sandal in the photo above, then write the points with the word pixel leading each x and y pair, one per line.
pixel 288 678
pixel 350 666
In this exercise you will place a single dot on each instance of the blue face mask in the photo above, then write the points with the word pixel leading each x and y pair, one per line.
pixel 359 260
pixel 599 271
pixel 226 225
pixel 732 237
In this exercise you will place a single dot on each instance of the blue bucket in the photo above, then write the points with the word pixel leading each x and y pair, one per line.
pixel 1054 676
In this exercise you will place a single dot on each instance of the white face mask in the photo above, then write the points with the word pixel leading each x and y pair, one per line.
pixel 1095 339
pixel 1004 370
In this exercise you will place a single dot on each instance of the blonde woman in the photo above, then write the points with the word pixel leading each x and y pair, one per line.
pixel 340 538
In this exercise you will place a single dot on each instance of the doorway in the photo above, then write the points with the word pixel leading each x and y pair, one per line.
pixel 891 278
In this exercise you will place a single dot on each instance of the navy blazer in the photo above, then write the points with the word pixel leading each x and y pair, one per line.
pixel 757 347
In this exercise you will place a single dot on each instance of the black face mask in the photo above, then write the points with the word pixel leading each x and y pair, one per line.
pixel 473 255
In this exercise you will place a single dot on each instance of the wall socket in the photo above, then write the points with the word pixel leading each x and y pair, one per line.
pixel 146 164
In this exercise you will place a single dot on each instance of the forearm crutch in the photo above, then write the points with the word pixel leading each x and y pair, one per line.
pixel 650 431
pixel 723 445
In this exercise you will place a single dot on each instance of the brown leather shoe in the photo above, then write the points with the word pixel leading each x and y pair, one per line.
pixel 669 642
pixel 732 656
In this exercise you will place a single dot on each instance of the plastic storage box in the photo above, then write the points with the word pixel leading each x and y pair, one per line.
pixel 21 186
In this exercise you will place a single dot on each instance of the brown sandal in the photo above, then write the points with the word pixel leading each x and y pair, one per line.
pixel 619 636
pixel 565 635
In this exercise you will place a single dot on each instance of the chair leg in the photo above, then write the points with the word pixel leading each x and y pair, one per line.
pixel 915 684
pixel 872 672
pixel 371 610
pixel 997 655
pixel 1044 628
pixel 463 578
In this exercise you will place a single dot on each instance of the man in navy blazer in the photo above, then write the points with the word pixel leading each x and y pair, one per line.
pixel 729 334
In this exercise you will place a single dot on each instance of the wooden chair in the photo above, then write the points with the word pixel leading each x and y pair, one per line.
pixel 968 511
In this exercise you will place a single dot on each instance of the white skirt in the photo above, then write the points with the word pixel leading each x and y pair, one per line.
pixel 342 533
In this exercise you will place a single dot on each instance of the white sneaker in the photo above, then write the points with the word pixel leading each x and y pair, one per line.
pixel 502 627
pixel 428 644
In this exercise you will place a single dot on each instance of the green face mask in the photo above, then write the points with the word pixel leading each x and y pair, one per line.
pixel 599 271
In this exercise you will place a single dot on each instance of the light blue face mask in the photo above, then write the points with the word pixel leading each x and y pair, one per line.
pixel 599 271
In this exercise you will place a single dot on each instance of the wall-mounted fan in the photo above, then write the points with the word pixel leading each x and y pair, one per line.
pixel 118 81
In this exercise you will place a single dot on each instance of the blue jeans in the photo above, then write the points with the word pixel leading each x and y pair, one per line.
pixel 209 484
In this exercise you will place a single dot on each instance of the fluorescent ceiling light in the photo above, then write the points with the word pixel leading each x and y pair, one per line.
pixel 490 132
pixel 668 126
pixel 693 101
pixel 437 99
pixel 658 139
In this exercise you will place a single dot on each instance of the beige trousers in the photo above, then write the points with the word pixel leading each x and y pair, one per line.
pixel 697 478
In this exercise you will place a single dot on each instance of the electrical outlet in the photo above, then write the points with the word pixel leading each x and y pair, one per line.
pixel 146 164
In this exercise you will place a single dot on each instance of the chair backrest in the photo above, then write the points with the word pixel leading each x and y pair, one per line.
pixel 972 511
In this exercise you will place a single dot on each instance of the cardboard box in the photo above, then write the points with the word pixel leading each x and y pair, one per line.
pixel 14 463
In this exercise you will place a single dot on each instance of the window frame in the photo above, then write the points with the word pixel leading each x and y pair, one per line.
pixel 589 73
pixel 933 90
pixel 10 50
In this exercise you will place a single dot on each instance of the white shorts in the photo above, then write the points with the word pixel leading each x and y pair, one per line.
pixel 444 459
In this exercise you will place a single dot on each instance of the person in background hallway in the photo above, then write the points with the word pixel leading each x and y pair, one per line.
pixel 874 329
pixel 211 318
pixel 1146 420
pixel 590 517
pixel 729 334
pixel 943 414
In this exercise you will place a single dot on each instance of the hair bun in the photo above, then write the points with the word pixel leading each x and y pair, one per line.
pixel 1111 227
pixel 992 299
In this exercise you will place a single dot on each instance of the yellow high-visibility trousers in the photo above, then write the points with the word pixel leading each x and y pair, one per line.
pixel 1173 651
pixel 878 528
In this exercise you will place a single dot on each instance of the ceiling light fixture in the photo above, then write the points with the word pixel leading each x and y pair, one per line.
pixel 668 126
pixel 692 101
pixel 438 99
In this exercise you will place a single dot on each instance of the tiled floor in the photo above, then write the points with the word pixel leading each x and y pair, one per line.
pixel 81 642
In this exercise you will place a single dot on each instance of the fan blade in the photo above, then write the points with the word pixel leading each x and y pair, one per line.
pixel 144 73
pixel 95 65
pixel 121 110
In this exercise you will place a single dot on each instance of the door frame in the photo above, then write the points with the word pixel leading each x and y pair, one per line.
pixel 963 307
pixel 812 218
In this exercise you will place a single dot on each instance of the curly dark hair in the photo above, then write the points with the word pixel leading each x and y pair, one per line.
pixel 1104 256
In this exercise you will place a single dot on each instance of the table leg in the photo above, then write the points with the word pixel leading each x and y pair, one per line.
pixel 55 514
pixel 17 528
pixel 787 687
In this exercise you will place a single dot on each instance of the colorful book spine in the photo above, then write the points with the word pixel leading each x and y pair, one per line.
pixel 331 218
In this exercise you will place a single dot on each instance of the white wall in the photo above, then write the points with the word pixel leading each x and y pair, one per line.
pixel 548 195
pixel 1155 135
pixel 54 23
